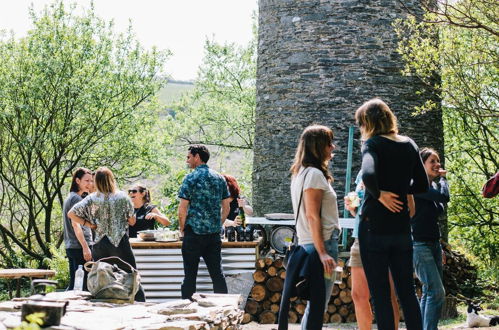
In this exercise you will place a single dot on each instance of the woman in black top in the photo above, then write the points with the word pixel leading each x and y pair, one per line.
pixel 235 202
pixel 392 169
pixel 426 234
pixel 145 213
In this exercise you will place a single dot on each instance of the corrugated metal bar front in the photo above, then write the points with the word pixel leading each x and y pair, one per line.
pixel 162 270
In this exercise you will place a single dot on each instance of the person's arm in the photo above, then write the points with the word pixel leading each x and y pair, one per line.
pixel 411 204
pixel 248 210
pixel 369 177
pixel 440 195
pixel 420 182
pixel 312 199
pixel 132 220
pixel 156 214
pixel 225 209
pixel 182 213
pixel 76 219
pixel 87 253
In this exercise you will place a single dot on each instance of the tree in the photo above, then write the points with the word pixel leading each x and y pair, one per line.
pixel 459 39
pixel 221 109
pixel 72 93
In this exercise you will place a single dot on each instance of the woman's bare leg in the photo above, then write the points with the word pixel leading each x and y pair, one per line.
pixel 360 295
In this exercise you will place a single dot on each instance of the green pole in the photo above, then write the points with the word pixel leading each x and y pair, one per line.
pixel 348 178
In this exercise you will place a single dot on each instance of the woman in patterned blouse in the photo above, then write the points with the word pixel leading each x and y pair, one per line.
pixel 108 211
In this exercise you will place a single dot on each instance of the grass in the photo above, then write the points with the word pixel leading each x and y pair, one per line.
pixel 173 91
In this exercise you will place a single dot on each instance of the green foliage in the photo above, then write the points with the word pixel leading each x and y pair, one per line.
pixel 72 93
pixel 170 191
pixel 60 264
pixel 459 40
pixel 34 322
pixel 221 109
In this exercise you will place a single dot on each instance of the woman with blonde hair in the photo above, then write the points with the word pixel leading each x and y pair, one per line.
pixel 314 201
pixel 108 211
pixel 391 169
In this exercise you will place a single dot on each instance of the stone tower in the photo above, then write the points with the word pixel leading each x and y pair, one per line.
pixel 318 61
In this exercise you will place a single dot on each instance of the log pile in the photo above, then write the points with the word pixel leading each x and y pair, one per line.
pixel 263 303
pixel 460 276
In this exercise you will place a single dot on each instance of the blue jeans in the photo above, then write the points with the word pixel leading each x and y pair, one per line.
pixel 332 249
pixel 428 267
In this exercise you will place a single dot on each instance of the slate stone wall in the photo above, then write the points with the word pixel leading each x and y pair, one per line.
pixel 318 61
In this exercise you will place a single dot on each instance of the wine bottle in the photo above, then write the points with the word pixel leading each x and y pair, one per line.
pixel 242 216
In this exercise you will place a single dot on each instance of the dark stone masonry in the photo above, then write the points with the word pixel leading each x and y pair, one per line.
pixel 318 61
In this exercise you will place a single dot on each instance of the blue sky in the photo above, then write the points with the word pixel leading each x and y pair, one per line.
pixel 178 25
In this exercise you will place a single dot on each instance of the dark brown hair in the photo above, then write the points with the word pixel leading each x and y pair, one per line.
pixel 78 174
pixel 375 118
pixel 201 150
pixel 311 150
pixel 427 152
pixel 233 186
pixel 147 195
pixel 104 181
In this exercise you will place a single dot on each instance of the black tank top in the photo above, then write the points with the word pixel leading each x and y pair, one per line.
pixel 142 223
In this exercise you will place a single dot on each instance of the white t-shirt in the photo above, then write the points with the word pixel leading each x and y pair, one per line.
pixel 329 207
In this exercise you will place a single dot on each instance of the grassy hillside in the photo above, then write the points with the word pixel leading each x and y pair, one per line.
pixel 174 90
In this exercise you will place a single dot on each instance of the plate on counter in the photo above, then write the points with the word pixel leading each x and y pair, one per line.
pixel 167 240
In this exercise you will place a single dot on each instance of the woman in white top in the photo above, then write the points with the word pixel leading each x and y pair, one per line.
pixel 317 225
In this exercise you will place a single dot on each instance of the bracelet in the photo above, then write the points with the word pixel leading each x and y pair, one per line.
pixel 84 223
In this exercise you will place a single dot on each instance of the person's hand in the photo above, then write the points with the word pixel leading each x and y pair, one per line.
pixel 442 172
pixel 151 216
pixel 87 254
pixel 92 226
pixel 390 201
pixel 328 263
pixel 241 202
pixel 237 221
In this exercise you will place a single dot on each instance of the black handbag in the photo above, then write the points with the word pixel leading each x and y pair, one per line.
pixel 294 243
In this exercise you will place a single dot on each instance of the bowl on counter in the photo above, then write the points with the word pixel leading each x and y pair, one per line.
pixel 147 235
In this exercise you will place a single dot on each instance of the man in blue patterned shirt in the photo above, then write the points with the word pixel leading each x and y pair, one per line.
pixel 202 194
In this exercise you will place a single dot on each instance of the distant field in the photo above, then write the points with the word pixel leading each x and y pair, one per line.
pixel 174 90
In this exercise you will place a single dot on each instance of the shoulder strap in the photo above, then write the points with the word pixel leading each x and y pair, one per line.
pixel 299 206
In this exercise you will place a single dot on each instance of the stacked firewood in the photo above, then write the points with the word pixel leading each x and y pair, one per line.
pixel 459 273
pixel 265 297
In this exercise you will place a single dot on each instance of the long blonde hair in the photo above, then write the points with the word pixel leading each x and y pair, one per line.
pixel 375 118
pixel 311 150
pixel 104 181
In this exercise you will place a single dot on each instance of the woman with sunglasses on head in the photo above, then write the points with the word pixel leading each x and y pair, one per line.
pixel 314 201
pixel 77 238
pixel 391 169
pixel 145 213
pixel 426 234
pixel 108 211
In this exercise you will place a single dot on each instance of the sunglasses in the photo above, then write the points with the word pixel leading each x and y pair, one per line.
pixel 134 191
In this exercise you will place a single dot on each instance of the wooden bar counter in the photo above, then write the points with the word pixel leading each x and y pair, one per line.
pixel 161 266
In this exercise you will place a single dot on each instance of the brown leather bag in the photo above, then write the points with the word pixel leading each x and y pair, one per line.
pixel 112 279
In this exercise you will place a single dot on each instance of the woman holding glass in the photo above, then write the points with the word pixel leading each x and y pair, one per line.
pixel 391 169
pixel 317 225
